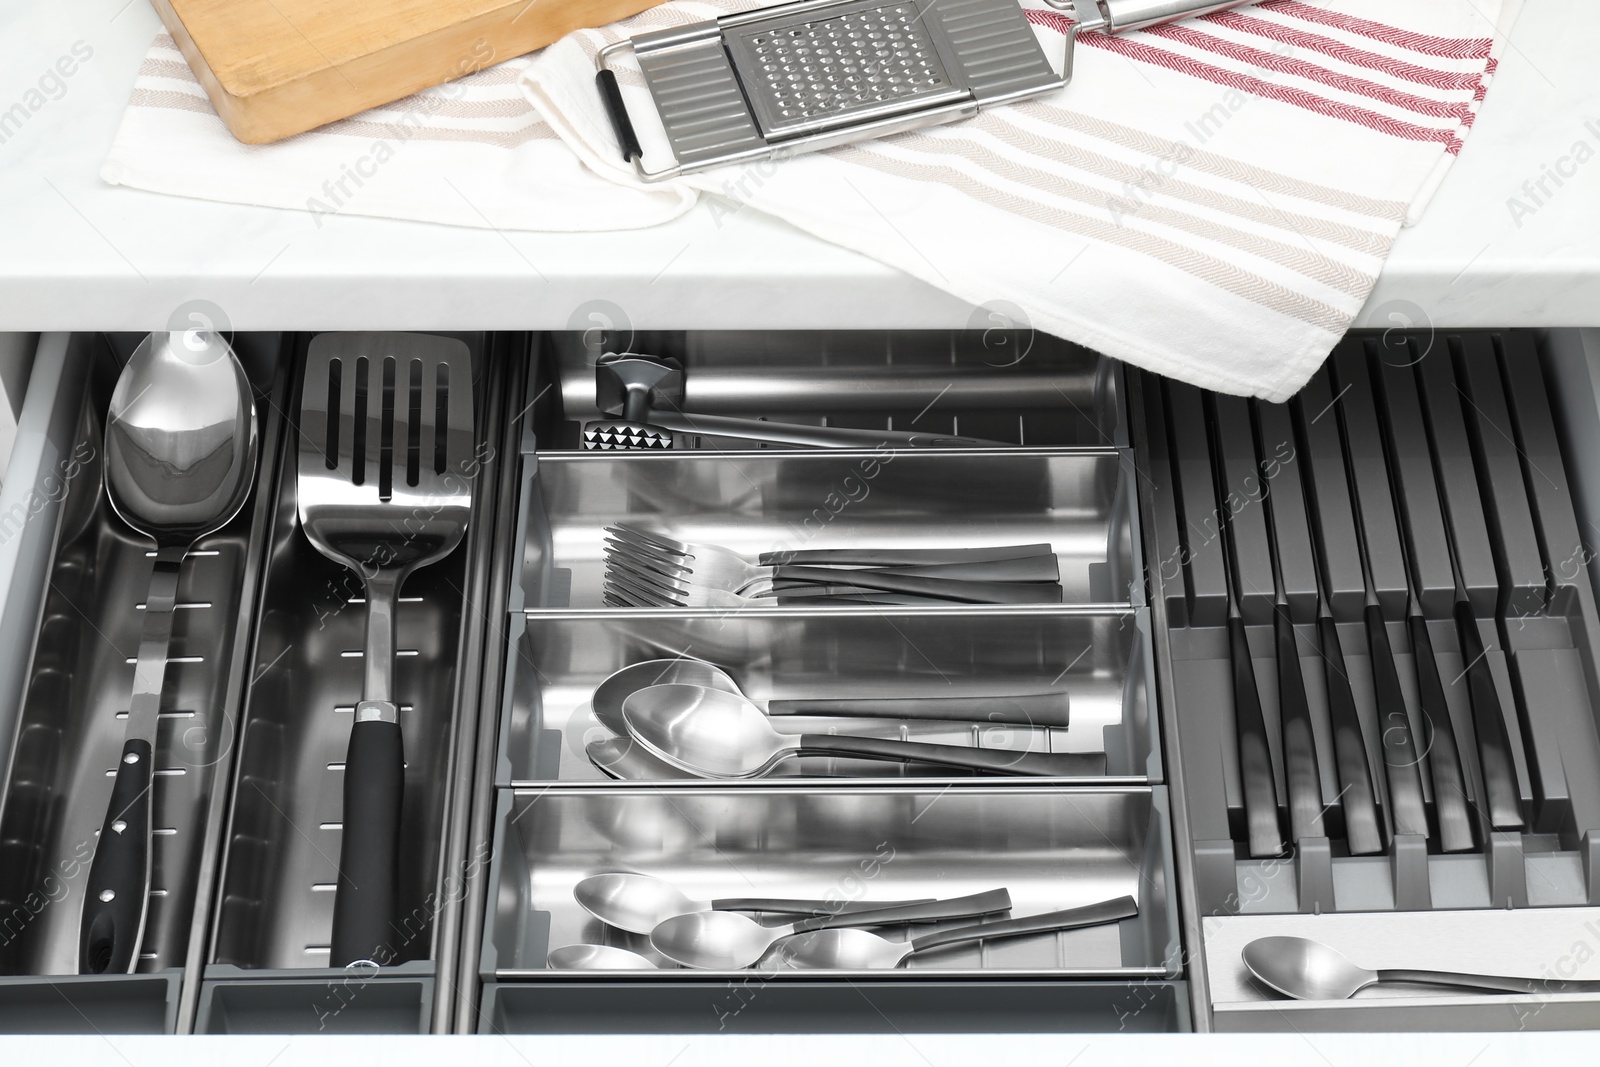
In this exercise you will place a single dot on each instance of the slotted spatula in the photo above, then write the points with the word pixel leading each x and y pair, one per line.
pixel 385 487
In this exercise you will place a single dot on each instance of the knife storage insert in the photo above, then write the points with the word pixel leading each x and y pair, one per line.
pixel 1080 679
pixel 994 382
pixel 283 838
pixel 1404 453
pixel 72 723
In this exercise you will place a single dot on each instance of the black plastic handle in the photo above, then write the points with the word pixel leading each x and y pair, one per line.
pixel 992 760
pixel 1358 796
pixel 1494 743
pixel 1098 914
pixel 1017 569
pixel 1400 755
pixel 986 903
pixel 1444 752
pixel 1028 709
pixel 782 906
pixel 1255 756
pixel 118 890
pixel 617 111
pixel 904 557
pixel 1300 766
pixel 369 850
pixel 954 590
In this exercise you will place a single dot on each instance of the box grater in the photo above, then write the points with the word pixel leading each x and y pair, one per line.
pixel 803 76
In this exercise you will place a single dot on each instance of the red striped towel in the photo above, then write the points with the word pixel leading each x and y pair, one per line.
pixel 1211 199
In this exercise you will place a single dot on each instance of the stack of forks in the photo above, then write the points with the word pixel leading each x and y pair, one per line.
pixel 647 569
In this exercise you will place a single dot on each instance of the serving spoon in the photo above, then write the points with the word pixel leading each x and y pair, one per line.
pixel 639 903
pixel 1309 970
pixel 716 734
pixel 726 940
pixel 180 459
pixel 862 950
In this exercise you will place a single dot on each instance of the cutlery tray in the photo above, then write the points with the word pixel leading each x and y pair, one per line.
pixel 267 964
pixel 1094 665
pixel 1052 847
pixel 62 740
pixel 1477 405
pixel 994 381
pixel 1079 501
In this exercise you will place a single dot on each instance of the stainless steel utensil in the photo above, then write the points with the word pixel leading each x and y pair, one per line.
pixel 1309 970
pixel 597 958
pixel 1028 709
pixel 385 486
pixel 726 940
pixel 799 77
pixel 626 760
pixel 638 903
pixel 180 459
pixel 862 950
pixel 716 734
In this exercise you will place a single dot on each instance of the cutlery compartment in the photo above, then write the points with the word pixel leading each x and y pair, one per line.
pixel 1090 669
pixel 1426 458
pixel 274 921
pixel 992 382
pixel 1080 502
pixel 64 733
pixel 1052 847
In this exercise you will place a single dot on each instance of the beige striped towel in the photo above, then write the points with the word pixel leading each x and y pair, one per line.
pixel 470 153
pixel 1212 199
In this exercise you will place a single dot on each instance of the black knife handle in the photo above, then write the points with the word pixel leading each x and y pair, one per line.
pixel 118 890
pixel 369 848
pixel 617 111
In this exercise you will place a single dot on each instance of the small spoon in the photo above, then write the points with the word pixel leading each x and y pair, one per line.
pixel 715 734
pixel 1309 970
pixel 726 940
pixel 597 958
pixel 639 903
pixel 1029 709
pixel 861 950
pixel 180 460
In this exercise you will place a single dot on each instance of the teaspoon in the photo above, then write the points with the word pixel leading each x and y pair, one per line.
pixel 1309 970
pixel 639 903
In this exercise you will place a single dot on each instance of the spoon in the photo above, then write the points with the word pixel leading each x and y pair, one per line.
pixel 180 458
pixel 1309 970
pixel 597 958
pixel 1031 709
pixel 639 903
pixel 627 761
pixel 861 950
pixel 715 734
pixel 726 940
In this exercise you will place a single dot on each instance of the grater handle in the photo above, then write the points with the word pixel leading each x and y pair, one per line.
pixel 611 93
pixel 1119 16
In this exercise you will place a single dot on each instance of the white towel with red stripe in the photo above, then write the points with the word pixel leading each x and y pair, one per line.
pixel 1211 199
pixel 470 153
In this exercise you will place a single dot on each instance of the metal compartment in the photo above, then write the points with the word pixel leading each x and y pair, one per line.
pixel 997 380
pixel 1098 663
pixel 1052 847
pixel 276 906
pixel 71 721
pixel 1080 502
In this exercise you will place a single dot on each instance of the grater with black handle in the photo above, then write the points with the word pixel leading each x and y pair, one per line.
pixel 803 76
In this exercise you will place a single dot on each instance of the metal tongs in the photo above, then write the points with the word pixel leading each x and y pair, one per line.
pixel 644 395
pixel 813 74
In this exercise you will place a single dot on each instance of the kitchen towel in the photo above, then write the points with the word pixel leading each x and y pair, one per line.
pixel 472 152
pixel 1212 199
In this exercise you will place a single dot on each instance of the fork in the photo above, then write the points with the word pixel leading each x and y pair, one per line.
pixel 385 487
pixel 865 557
pixel 710 576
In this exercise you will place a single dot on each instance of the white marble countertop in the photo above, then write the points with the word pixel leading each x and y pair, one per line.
pixel 76 253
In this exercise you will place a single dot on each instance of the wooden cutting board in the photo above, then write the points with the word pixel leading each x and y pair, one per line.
pixel 273 68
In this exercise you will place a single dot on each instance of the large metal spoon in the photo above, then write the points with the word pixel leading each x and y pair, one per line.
pixel 639 903
pixel 1028 709
pixel 180 458
pixel 726 940
pixel 861 950
pixel 597 958
pixel 1309 970
pixel 715 734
